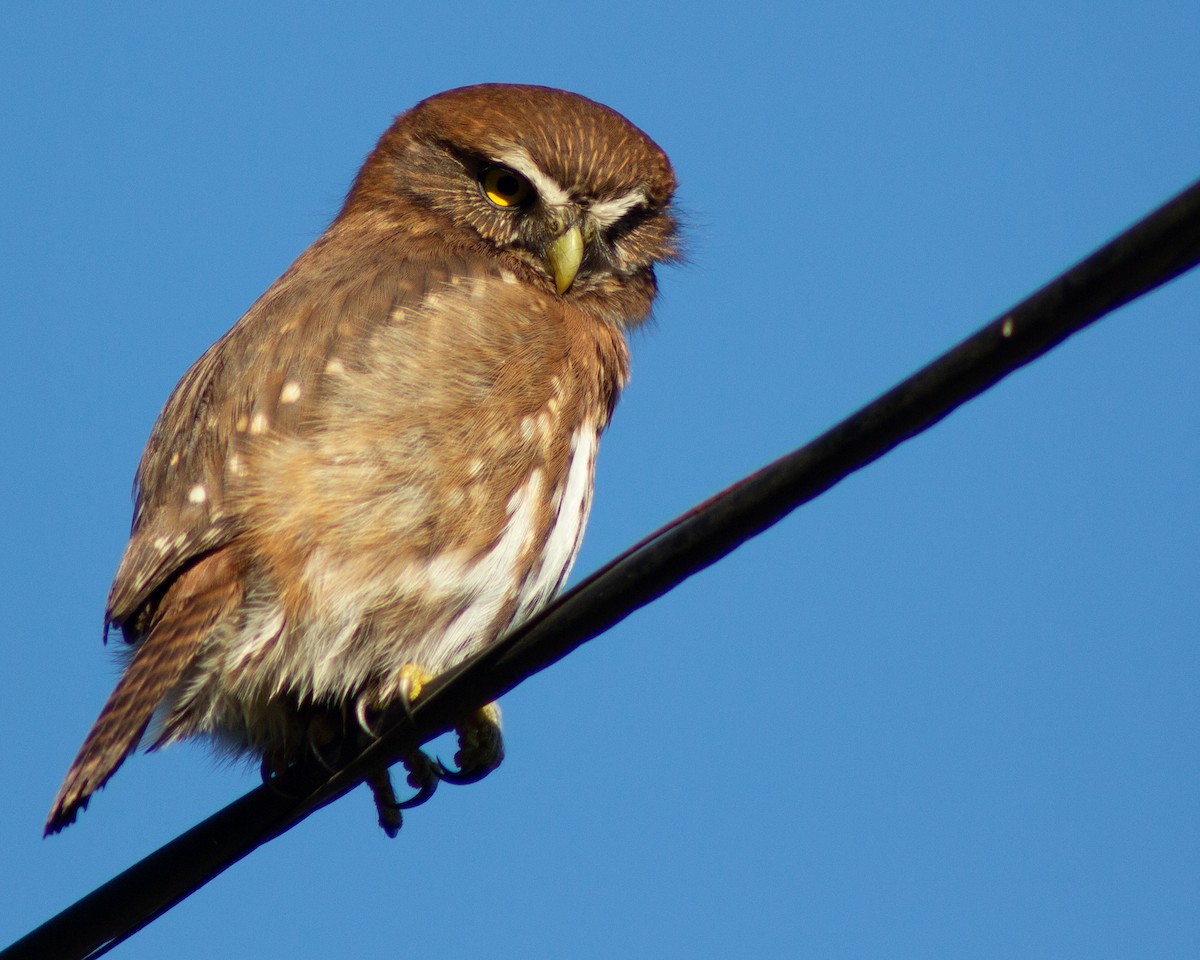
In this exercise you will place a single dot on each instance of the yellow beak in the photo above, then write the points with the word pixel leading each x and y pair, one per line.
pixel 564 256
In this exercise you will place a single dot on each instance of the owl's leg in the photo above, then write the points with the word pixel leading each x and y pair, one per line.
pixel 307 737
pixel 386 805
pixel 480 742
pixel 423 776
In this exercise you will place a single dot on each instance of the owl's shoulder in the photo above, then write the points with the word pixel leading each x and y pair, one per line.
pixel 261 381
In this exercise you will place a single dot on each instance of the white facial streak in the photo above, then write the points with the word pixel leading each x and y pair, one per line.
pixel 548 189
pixel 608 212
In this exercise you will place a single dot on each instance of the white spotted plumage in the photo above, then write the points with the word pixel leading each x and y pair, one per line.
pixel 388 460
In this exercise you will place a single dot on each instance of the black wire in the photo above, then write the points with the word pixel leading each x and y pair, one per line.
pixel 1149 254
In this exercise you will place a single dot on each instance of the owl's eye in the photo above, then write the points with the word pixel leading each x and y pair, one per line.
pixel 505 188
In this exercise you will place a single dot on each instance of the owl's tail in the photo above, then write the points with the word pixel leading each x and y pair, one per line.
pixel 201 597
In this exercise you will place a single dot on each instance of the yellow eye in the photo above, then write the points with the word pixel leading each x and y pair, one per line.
pixel 505 188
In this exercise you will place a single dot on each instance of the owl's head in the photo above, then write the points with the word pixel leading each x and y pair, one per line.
pixel 567 193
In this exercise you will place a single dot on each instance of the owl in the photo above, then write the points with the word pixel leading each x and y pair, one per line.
pixel 388 461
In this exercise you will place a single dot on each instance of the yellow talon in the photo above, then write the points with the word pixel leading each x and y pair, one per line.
pixel 413 679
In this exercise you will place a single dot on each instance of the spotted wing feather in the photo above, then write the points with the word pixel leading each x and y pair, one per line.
pixel 231 397
pixel 180 575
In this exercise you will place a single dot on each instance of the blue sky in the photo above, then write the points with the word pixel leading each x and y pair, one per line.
pixel 949 709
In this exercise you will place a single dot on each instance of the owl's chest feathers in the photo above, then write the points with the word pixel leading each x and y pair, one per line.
pixel 442 500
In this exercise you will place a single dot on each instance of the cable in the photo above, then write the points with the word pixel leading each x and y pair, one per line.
pixel 1152 252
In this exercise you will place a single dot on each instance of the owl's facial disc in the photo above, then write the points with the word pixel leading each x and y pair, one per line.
pixel 580 231
pixel 520 182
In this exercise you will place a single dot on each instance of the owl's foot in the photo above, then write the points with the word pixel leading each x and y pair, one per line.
pixel 422 776
pixel 480 747
pixel 480 742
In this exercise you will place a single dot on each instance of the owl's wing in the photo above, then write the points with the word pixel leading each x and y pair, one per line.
pixel 261 380
pixel 177 492
pixel 179 576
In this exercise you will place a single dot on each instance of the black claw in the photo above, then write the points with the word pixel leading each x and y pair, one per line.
pixel 460 778
pixel 427 775
pixel 423 795
pixel 406 706
pixel 362 716
pixel 329 766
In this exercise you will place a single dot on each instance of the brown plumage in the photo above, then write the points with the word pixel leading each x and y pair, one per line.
pixel 388 460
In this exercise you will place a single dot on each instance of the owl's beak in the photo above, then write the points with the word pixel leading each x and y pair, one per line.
pixel 564 255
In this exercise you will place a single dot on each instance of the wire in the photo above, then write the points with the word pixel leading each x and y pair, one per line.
pixel 1152 252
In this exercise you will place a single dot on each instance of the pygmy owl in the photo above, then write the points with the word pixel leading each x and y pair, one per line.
pixel 388 460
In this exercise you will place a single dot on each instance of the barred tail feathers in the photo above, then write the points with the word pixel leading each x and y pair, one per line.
pixel 201 597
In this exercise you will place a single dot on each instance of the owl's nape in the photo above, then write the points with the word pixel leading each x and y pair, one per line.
pixel 388 461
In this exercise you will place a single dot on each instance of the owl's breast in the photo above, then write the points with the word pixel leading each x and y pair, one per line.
pixel 568 509
pixel 442 491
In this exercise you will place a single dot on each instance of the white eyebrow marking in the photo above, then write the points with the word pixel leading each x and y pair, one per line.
pixel 198 494
pixel 608 212
pixel 290 392
pixel 551 192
